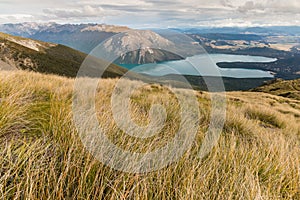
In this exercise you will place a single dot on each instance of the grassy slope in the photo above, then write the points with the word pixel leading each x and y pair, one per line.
pixel 55 59
pixel 41 156
pixel 289 89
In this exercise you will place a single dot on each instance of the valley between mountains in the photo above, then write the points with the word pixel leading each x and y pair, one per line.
pixel 42 154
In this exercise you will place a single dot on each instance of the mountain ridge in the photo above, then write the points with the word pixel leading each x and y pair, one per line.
pixel 82 37
pixel 38 56
pixel 86 37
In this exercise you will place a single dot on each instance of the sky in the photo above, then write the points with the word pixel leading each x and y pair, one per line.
pixel 155 13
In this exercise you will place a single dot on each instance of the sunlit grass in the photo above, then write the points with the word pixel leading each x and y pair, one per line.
pixel 42 157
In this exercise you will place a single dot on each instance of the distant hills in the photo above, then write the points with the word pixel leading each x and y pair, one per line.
pixel 57 54
pixel 82 37
pixel 50 58
pixel 289 89
pixel 85 37
pixel 263 31
pixel 29 29
pixel 34 55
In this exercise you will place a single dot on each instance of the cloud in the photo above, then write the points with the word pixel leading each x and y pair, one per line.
pixel 16 17
pixel 267 6
pixel 251 6
pixel 86 11
pixel 281 6
pixel 162 13
pixel 226 3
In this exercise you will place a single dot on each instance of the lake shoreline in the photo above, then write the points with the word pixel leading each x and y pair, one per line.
pixel 194 66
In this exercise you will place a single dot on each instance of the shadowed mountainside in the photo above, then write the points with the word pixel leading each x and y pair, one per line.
pixel 33 55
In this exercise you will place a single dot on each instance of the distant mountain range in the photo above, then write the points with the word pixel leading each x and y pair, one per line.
pixel 263 31
pixel 30 29
pixel 86 37
pixel 17 53
pixel 57 53
pixel 83 37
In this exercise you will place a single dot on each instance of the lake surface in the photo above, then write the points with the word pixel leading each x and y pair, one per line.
pixel 205 65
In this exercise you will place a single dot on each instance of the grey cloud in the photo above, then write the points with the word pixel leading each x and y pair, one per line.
pixel 166 2
pixel 226 3
pixel 128 8
pixel 265 6
pixel 62 13
pixel 155 12
pixel 251 6
pixel 87 11
pixel 5 2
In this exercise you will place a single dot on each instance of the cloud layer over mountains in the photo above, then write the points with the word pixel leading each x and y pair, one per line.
pixel 155 13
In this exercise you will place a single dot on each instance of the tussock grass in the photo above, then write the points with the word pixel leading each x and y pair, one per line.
pixel 266 117
pixel 42 157
pixel 282 88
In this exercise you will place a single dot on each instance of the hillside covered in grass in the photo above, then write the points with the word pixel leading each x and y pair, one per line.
pixel 289 89
pixel 33 55
pixel 42 157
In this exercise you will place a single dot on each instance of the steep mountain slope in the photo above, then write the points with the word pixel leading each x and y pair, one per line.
pixel 28 54
pixel 85 37
pixel 142 46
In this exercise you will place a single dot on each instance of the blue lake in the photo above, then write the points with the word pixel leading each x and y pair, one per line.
pixel 205 65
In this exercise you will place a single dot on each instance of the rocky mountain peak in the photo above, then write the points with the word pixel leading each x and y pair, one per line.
pixel 139 47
